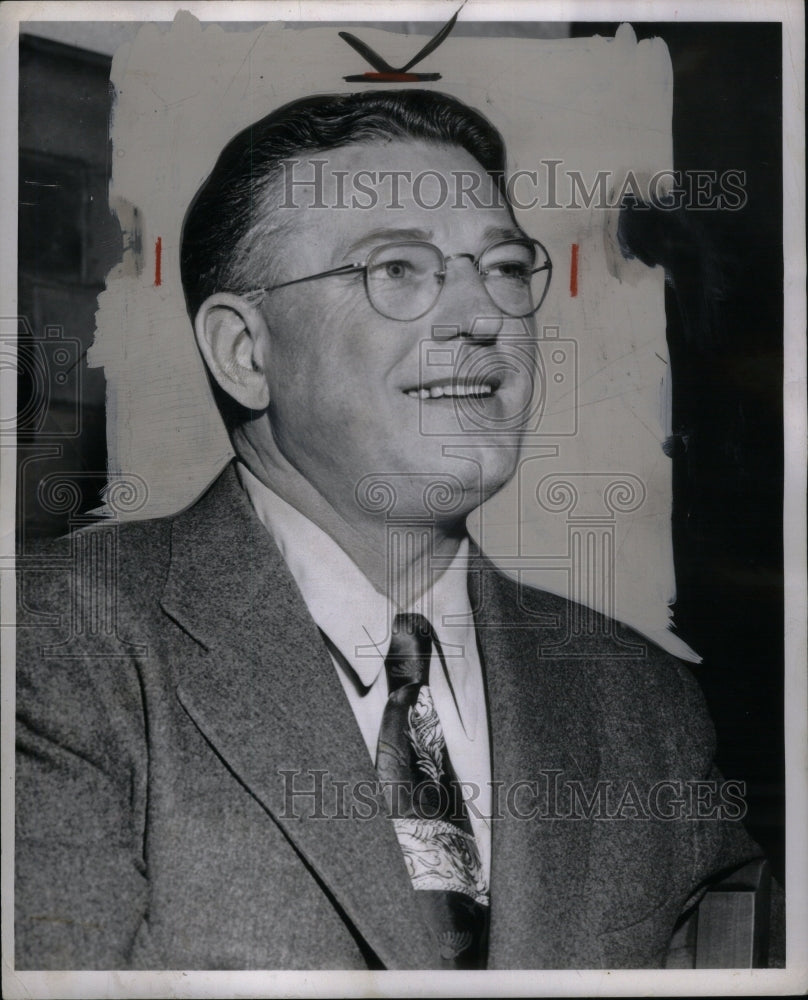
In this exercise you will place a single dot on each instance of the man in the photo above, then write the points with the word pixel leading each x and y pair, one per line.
pixel 326 732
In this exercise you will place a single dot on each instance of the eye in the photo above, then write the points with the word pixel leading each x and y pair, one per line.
pixel 404 264
pixel 512 261
pixel 397 268
pixel 512 270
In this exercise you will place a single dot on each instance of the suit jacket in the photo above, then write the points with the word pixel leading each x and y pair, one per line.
pixel 176 704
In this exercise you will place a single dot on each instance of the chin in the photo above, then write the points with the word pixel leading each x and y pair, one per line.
pixel 481 472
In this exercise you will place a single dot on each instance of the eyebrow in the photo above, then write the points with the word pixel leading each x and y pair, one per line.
pixel 503 233
pixel 396 235
pixel 490 234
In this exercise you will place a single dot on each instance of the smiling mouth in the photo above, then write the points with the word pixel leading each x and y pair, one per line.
pixel 454 389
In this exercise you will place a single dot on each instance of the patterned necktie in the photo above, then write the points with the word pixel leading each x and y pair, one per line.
pixel 429 814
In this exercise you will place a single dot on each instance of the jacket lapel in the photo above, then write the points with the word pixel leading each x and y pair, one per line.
pixel 268 700
pixel 540 721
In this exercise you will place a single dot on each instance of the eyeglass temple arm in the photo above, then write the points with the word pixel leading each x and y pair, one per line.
pixel 345 269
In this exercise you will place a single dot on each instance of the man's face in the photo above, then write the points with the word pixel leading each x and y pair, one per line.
pixel 355 394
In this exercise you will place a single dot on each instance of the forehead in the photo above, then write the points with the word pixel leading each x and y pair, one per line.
pixel 340 195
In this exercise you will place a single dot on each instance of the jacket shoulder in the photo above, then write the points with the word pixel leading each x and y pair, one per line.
pixel 109 554
pixel 626 674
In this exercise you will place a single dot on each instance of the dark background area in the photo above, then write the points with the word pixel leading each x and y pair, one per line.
pixel 725 330
pixel 67 242
pixel 724 306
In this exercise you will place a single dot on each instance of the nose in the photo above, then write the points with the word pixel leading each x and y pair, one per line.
pixel 465 309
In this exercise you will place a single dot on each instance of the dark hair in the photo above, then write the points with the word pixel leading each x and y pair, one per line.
pixel 214 248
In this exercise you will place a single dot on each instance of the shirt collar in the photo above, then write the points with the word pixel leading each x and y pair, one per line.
pixel 344 603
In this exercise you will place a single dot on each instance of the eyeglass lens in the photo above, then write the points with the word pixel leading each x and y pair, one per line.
pixel 404 280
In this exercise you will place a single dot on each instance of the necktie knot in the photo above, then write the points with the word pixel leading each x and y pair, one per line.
pixel 407 660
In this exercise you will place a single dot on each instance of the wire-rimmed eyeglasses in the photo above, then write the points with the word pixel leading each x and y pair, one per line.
pixel 404 280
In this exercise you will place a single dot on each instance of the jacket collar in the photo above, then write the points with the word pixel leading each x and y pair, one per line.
pixel 540 721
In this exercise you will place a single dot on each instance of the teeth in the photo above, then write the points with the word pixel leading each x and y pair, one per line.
pixel 438 391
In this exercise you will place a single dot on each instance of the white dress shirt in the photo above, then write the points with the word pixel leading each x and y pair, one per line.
pixel 357 619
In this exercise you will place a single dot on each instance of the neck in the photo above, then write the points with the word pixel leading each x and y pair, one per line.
pixel 402 559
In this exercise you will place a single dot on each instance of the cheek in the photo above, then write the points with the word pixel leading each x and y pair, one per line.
pixel 322 323
pixel 333 362
pixel 304 344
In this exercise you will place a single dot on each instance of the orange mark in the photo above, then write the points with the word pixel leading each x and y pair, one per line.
pixel 574 271
pixel 158 261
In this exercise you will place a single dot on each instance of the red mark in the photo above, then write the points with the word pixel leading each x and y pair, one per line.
pixel 393 77
pixel 574 271
pixel 158 260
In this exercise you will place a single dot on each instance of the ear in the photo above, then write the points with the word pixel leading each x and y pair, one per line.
pixel 233 338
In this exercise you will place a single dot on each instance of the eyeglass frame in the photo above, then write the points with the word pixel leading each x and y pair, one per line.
pixel 356 266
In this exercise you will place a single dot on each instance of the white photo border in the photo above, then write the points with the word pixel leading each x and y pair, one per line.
pixel 793 979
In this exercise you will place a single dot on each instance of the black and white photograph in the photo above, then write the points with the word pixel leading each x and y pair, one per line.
pixel 403 446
